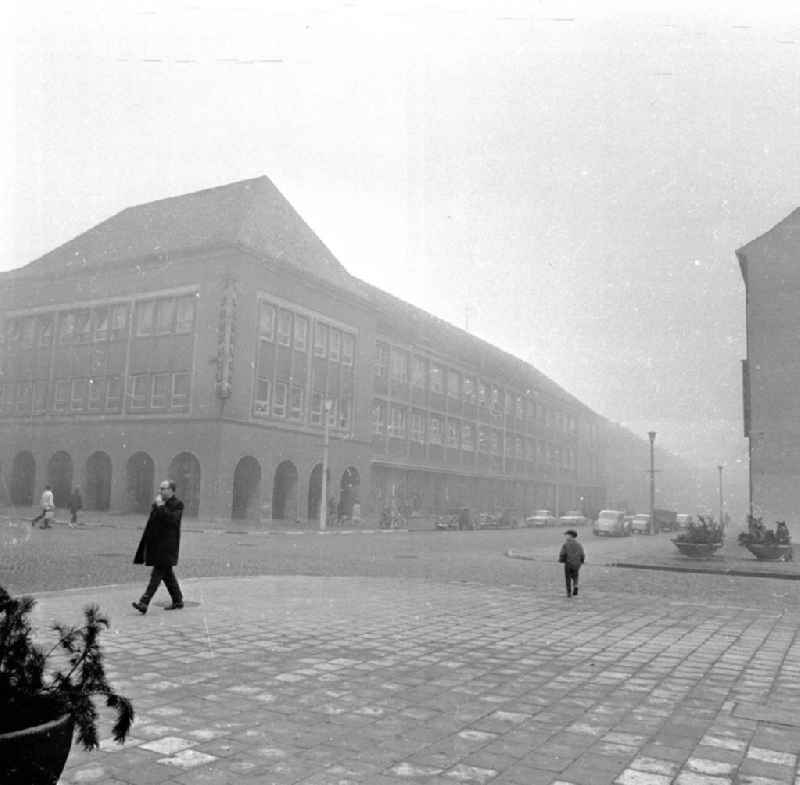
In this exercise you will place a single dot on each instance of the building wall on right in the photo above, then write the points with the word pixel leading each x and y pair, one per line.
pixel 770 266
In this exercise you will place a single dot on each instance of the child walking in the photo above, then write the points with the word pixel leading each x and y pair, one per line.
pixel 572 557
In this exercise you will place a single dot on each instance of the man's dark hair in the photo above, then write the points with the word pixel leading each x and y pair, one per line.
pixel 171 484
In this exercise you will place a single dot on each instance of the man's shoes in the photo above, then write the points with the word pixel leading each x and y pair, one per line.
pixel 175 606
pixel 575 591
pixel 140 606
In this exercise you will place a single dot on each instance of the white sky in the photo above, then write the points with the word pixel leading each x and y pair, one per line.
pixel 575 175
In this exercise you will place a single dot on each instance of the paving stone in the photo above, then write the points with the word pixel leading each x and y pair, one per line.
pixel 634 777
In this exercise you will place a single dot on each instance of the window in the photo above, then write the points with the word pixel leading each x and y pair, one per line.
pixel 399 367
pixel 61 401
pixel 530 451
pixel 417 427
pixel 437 382
pixel 419 370
pixel 83 326
pixel 482 394
pixel 453 385
pixel 180 391
pixel 495 402
pixel 381 360
pixel 483 439
pixel 279 400
pixel 300 333
pixel 145 314
pixel 4 402
pixel 100 321
pixel 261 402
pixel 184 320
pixel 139 391
pixel 266 321
pixel 78 395
pixel 519 407
pixel 469 389
pixel 335 345
pixel 40 396
pixel 518 451
pixel 113 393
pixel 119 321
pixel 467 437
pixel 530 410
pixel 348 348
pixel 452 433
pixel 316 408
pixel 333 412
pixel 12 330
pixel 24 398
pixel 284 328
pixel 296 396
pixel 397 426
pixel 345 413
pixel 45 331
pixel 97 394
pixel 379 418
pixel 165 316
pixel 495 441
pixel 67 334
pixel 161 390
pixel 27 332
pixel 435 430
pixel 320 339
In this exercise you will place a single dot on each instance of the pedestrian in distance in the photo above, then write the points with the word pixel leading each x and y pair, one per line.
pixel 572 557
pixel 48 508
pixel 75 504
pixel 159 547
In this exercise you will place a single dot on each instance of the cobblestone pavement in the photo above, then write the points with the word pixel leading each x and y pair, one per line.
pixel 319 680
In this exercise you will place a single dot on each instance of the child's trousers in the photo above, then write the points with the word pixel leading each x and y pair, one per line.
pixel 571 578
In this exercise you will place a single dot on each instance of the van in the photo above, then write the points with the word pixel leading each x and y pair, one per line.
pixel 611 523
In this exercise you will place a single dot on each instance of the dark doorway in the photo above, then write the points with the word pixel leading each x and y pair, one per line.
pixel 97 493
pixel 140 473
pixel 315 491
pixel 23 476
pixel 247 489
pixel 59 477
pixel 184 471
pixel 350 490
pixel 284 492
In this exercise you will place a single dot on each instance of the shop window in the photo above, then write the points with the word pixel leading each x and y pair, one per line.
pixel 296 396
pixel 24 398
pixel 40 396
pixel 262 398
pixel 180 391
pixel 113 393
pixel 61 398
pixel 279 399
pixel 79 394
pixel 97 394
pixel 139 390
pixel 161 390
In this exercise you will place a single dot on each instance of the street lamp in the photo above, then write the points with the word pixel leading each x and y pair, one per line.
pixel 652 435
pixel 721 505
pixel 323 503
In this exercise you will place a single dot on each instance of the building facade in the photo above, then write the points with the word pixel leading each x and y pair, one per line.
pixel 770 267
pixel 205 337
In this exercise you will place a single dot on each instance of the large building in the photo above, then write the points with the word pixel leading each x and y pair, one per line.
pixel 204 337
pixel 770 266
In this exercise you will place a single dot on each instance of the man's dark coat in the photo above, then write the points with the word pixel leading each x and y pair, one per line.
pixel 161 539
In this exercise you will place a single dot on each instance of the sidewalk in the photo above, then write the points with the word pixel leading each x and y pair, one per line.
pixel 345 680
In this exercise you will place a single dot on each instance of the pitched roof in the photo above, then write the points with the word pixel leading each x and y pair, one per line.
pixel 784 232
pixel 250 213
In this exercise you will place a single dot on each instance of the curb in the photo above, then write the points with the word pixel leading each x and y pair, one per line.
pixel 734 573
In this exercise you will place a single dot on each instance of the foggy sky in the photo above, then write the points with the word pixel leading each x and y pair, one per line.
pixel 572 178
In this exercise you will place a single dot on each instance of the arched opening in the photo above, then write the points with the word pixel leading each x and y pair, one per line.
pixel 349 491
pixel 59 477
pixel 284 492
pixel 247 489
pixel 140 475
pixel 184 471
pixel 23 476
pixel 315 491
pixel 97 488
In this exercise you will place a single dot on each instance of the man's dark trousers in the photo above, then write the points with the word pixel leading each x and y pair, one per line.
pixel 571 578
pixel 167 575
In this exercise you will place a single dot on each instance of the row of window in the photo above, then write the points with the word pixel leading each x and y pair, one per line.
pixel 402 368
pixel 151 391
pixel 285 400
pixel 162 316
pixel 287 328
pixel 397 422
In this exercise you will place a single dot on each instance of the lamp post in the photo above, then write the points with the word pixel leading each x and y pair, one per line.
pixel 652 435
pixel 721 504
pixel 323 503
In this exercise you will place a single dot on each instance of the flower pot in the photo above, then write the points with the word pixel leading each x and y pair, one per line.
pixel 36 755
pixel 697 550
pixel 770 551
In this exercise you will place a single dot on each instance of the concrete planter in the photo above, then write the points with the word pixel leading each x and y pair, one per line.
pixel 697 550
pixel 770 552
pixel 36 755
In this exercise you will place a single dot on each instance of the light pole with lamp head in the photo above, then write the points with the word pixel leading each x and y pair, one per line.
pixel 652 435
pixel 323 503
pixel 721 504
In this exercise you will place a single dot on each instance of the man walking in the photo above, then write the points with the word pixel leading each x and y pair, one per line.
pixel 48 508
pixel 75 504
pixel 159 547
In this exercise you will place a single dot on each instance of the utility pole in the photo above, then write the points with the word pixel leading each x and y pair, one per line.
pixel 652 435
pixel 323 504
pixel 721 504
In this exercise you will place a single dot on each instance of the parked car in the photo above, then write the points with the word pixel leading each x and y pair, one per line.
pixel 684 519
pixel 665 520
pixel 541 518
pixel 573 518
pixel 611 523
pixel 641 523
